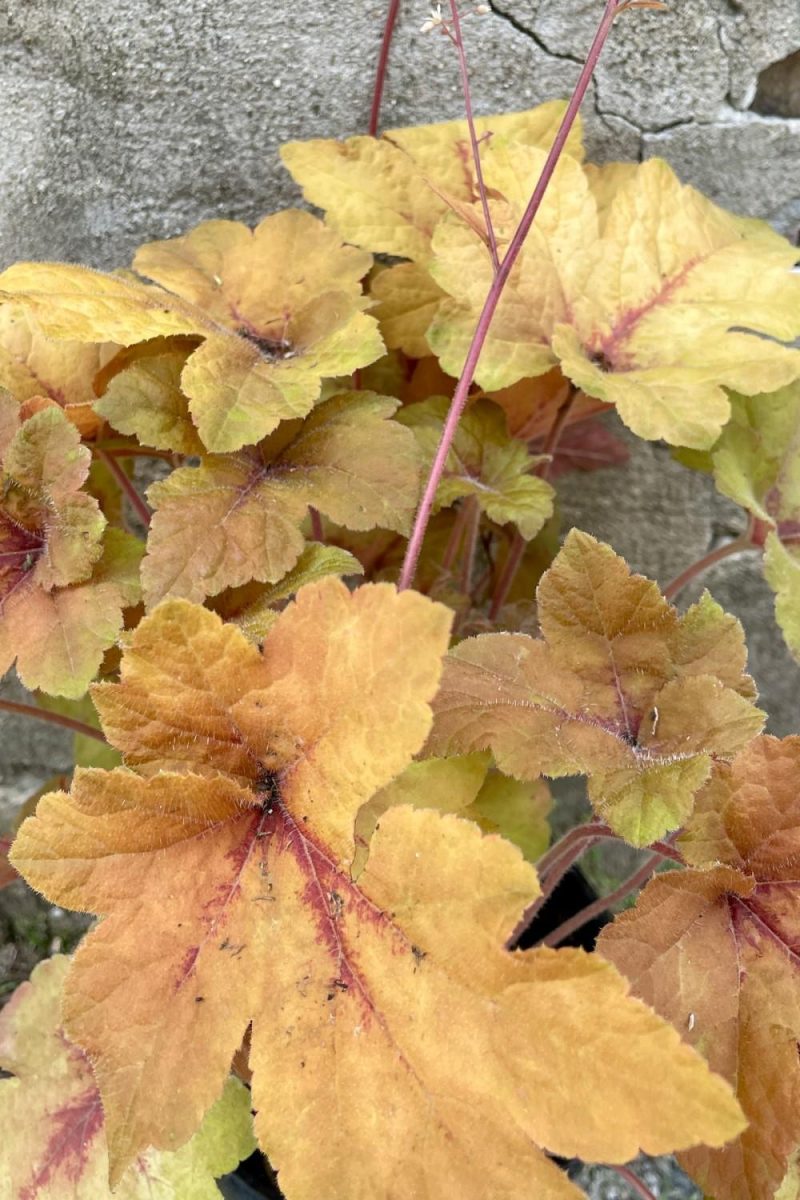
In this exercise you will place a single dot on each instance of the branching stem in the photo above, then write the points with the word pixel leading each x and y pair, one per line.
pixel 43 714
pixel 493 297
pixel 631 884
pixel 458 42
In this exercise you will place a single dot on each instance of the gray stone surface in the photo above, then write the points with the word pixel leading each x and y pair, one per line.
pixel 129 121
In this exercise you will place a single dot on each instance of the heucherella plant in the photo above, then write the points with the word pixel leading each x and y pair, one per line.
pixel 321 671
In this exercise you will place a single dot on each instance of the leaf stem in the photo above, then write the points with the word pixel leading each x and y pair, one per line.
pixel 737 546
pixel 458 41
pixel 136 452
pixel 493 297
pixel 317 531
pixel 473 525
pixel 634 881
pixel 138 504
pixel 44 714
pixel 554 864
pixel 383 62
pixel 635 1182
pixel 516 551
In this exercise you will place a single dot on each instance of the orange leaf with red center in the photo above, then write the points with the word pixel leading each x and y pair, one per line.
pixel 55 1143
pixel 716 950
pixel 389 1024
pixel 619 688
pixel 63 583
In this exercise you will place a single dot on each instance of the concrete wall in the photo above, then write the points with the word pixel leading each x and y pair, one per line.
pixel 134 120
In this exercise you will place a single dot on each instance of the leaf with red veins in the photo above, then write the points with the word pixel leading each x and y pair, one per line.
pixel 224 874
pixel 56 1144
pixel 710 303
pixel 347 459
pixel 716 950
pixel 618 688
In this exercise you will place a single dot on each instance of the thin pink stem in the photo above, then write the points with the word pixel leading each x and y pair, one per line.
pixel 454 541
pixel 458 42
pixel 492 299
pixel 470 544
pixel 635 881
pixel 43 714
pixel 635 1182
pixel 136 452
pixel 553 866
pixel 383 62
pixel 516 551
pixel 737 546
pixel 125 485
pixel 317 532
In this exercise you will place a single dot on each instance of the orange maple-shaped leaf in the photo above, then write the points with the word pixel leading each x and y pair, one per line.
pixel 619 688
pixel 716 950
pixel 32 366
pixel 387 194
pixel 346 458
pixel 388 1022
pixel 645 293
pixel 54 1138
pixel 277 308
pixel 64 579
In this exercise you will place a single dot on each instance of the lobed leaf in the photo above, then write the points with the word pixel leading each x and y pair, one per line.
pixel 63 578
pixel 484 462
pixel 618 687
pixel 277 309
pixel 714 949
pixel 54 1117
pixel 645 293
pixel 388 1021
pixel 346 458
pixel 387 194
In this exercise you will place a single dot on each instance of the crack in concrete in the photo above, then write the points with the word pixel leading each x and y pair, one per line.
pixel 536 38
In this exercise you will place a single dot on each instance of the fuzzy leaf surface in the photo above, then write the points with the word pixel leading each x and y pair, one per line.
pixel 221 858
pixel 715 950
pixel 618 688
pixel 347 459
pixel 53 1116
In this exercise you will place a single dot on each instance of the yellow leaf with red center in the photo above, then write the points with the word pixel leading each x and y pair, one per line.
pixel 278 308
pixel 646 294
pixel 618 688
pixel 389 1024
pixel 716 951
pixel 387 194
pixel 347 459
pixel 484 462
pixel 34 366
pixel 53 1117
